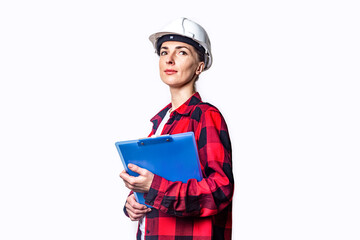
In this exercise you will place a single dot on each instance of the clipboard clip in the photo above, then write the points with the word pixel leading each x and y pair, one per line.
pixel 155 140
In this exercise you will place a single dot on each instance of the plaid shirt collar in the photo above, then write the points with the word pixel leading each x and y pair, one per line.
pixel 188 106
pixel 185 109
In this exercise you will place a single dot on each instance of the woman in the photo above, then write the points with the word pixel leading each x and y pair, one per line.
pixel 192 210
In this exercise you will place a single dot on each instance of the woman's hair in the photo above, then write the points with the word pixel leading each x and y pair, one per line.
pixel 201 55
pixel 201 58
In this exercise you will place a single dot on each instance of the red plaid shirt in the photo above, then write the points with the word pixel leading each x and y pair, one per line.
pixel 194 210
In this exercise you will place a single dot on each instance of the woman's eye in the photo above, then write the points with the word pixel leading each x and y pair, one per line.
pixel 162 53
pixel 183 53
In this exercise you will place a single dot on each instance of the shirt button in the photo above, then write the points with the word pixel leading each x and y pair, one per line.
pixel 147 231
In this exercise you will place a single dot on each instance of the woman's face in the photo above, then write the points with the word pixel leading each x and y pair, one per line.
pixel 179 64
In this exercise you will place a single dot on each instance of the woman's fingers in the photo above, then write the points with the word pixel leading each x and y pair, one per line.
pixel 141 183
pixel 135 214
pixel 137 169
pixel 132 201
pixel 134 209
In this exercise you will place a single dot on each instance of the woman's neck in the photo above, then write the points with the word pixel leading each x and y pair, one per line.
pixel 180 96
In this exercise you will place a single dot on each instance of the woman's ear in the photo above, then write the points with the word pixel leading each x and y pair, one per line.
pixel 200 68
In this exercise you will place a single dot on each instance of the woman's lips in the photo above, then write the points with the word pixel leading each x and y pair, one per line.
pixel 170 71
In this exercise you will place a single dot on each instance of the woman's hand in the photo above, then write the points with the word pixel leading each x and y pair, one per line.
pixel 134 209
pixel 140 183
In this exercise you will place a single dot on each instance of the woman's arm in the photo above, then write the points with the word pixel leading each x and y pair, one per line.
pixel 214 192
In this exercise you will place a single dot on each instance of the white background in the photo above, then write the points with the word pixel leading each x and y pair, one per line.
pixel 76 76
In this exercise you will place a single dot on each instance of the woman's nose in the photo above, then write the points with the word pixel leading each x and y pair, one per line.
pixel 170 59
pixel 170 62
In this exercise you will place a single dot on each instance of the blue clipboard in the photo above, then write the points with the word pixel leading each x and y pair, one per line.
pixel 173 157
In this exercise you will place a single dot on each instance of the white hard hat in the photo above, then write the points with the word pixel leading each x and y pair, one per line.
pixel 189 29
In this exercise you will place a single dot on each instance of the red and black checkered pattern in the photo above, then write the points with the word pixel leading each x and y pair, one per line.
pixel 194 210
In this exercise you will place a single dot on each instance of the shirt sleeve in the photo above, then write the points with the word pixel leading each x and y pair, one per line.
pixel 215 191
